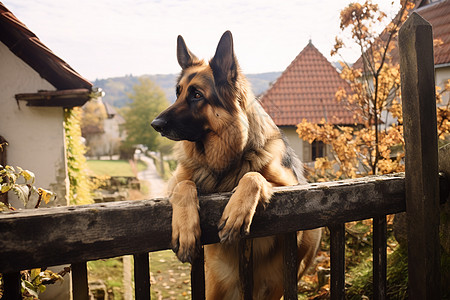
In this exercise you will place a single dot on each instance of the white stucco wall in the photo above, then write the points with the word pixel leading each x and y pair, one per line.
pixel 35 134
pixel 301 148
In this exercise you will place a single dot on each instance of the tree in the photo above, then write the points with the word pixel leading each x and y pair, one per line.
pixel 375 143
pixel 148 100
pixel 93 117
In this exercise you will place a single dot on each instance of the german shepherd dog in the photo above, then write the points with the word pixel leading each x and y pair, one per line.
pixel 228 143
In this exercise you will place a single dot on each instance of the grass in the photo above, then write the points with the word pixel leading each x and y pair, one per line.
pixel 170 279
pixel 114 167
pixel 110 271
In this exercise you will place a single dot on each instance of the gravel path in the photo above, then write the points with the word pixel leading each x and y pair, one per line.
pixel 157 184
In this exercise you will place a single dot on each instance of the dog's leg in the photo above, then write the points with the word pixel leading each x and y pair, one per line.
pixel 185 221
pixel 237 217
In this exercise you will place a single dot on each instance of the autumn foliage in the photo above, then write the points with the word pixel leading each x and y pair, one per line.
pixel 374 143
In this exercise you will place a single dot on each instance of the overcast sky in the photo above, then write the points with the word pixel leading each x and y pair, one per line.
pixel 108 38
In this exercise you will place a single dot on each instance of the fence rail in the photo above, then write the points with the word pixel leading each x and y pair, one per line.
pixel 53 236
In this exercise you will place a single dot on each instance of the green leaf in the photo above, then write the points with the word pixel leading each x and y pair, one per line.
pixel 35 273
pixel 22 191
pixel 4 207
pixel 5 187
pixel 45 195
pixel 30 288
pixel 28 175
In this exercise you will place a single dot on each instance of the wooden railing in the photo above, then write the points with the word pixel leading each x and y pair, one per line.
pixel 54 236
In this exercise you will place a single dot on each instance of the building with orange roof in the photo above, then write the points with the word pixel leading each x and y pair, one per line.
pixel 437 13
pixel 306 90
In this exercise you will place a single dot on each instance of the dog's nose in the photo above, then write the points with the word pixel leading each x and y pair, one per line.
pixel 159 124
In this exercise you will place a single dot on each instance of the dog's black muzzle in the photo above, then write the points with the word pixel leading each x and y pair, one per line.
pixel 159 124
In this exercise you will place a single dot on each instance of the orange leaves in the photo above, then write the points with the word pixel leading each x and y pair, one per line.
pixel 353 150
pixel 357 13
pixel 375 144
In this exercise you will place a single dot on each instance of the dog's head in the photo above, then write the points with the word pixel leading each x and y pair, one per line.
pixel 206 93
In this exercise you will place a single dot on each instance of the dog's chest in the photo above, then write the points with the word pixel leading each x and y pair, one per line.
pixel 209 180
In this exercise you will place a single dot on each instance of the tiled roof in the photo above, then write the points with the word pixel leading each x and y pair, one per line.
pixel 27 46
pixel 438 15
pixel 306 90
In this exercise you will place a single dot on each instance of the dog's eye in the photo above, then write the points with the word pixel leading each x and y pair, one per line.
pixel 178 90
pixel 197 95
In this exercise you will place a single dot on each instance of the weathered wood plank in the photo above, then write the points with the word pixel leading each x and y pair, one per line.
pixel 246 268
pixel 379 257
pixel 421 160
pixel 12 286
pixel 3 156
pixel 337 261
pixel 80 281
pixel 198 276
pixel 90 232
pixel 141 276
pixel 290 266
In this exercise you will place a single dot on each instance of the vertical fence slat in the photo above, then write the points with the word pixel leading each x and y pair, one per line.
pixel 80 281
pixel 198 276
pixel 337 253
pixel 141 276
pixel 421 161
pixel 12 286
pixel 290 266
pixel 379 257
pixel 246 268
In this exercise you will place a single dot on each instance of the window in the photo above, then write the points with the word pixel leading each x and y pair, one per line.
pixel 317 150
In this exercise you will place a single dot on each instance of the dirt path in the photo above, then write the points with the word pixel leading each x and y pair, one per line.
pixel 157 184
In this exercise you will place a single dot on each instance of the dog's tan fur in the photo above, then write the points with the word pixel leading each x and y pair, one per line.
pixel 240 150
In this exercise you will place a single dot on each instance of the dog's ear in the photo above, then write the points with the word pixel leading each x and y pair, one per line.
pixel 224 63
pixel 184 55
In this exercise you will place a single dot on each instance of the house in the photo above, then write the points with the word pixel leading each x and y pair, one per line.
pixel 437 13
pixel 306 90
pixel 103 137
pixel 35 88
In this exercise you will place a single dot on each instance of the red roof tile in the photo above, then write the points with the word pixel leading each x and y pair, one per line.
pixel 438 14
pixel 306 90
pixel 27 46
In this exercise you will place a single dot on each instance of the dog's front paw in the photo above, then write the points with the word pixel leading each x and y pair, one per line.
pixel 237 217
pixel 185 221
pixel 186 237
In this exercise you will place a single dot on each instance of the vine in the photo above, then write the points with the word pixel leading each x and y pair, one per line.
pixel 80 189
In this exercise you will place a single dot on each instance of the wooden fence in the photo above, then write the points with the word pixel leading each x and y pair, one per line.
pixel 54 236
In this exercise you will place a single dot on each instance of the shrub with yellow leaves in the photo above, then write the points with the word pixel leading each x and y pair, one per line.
pixel 374 143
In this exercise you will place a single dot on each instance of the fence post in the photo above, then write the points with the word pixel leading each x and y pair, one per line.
pixel 198 276
pixel 12 286
pixel 80 281
pixel 290 266
pixel 421 166
pixel 379 257
pixel 141 276
pixel 246 268
pixel 337 257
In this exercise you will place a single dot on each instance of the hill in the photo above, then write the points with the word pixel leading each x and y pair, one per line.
pixel 117 88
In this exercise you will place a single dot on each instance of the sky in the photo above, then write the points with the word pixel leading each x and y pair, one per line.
pixel 110 38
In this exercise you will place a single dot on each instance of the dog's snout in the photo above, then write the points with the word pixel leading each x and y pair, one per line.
pixel 159 124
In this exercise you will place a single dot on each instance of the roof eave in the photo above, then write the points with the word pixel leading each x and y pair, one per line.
pixel 64 98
